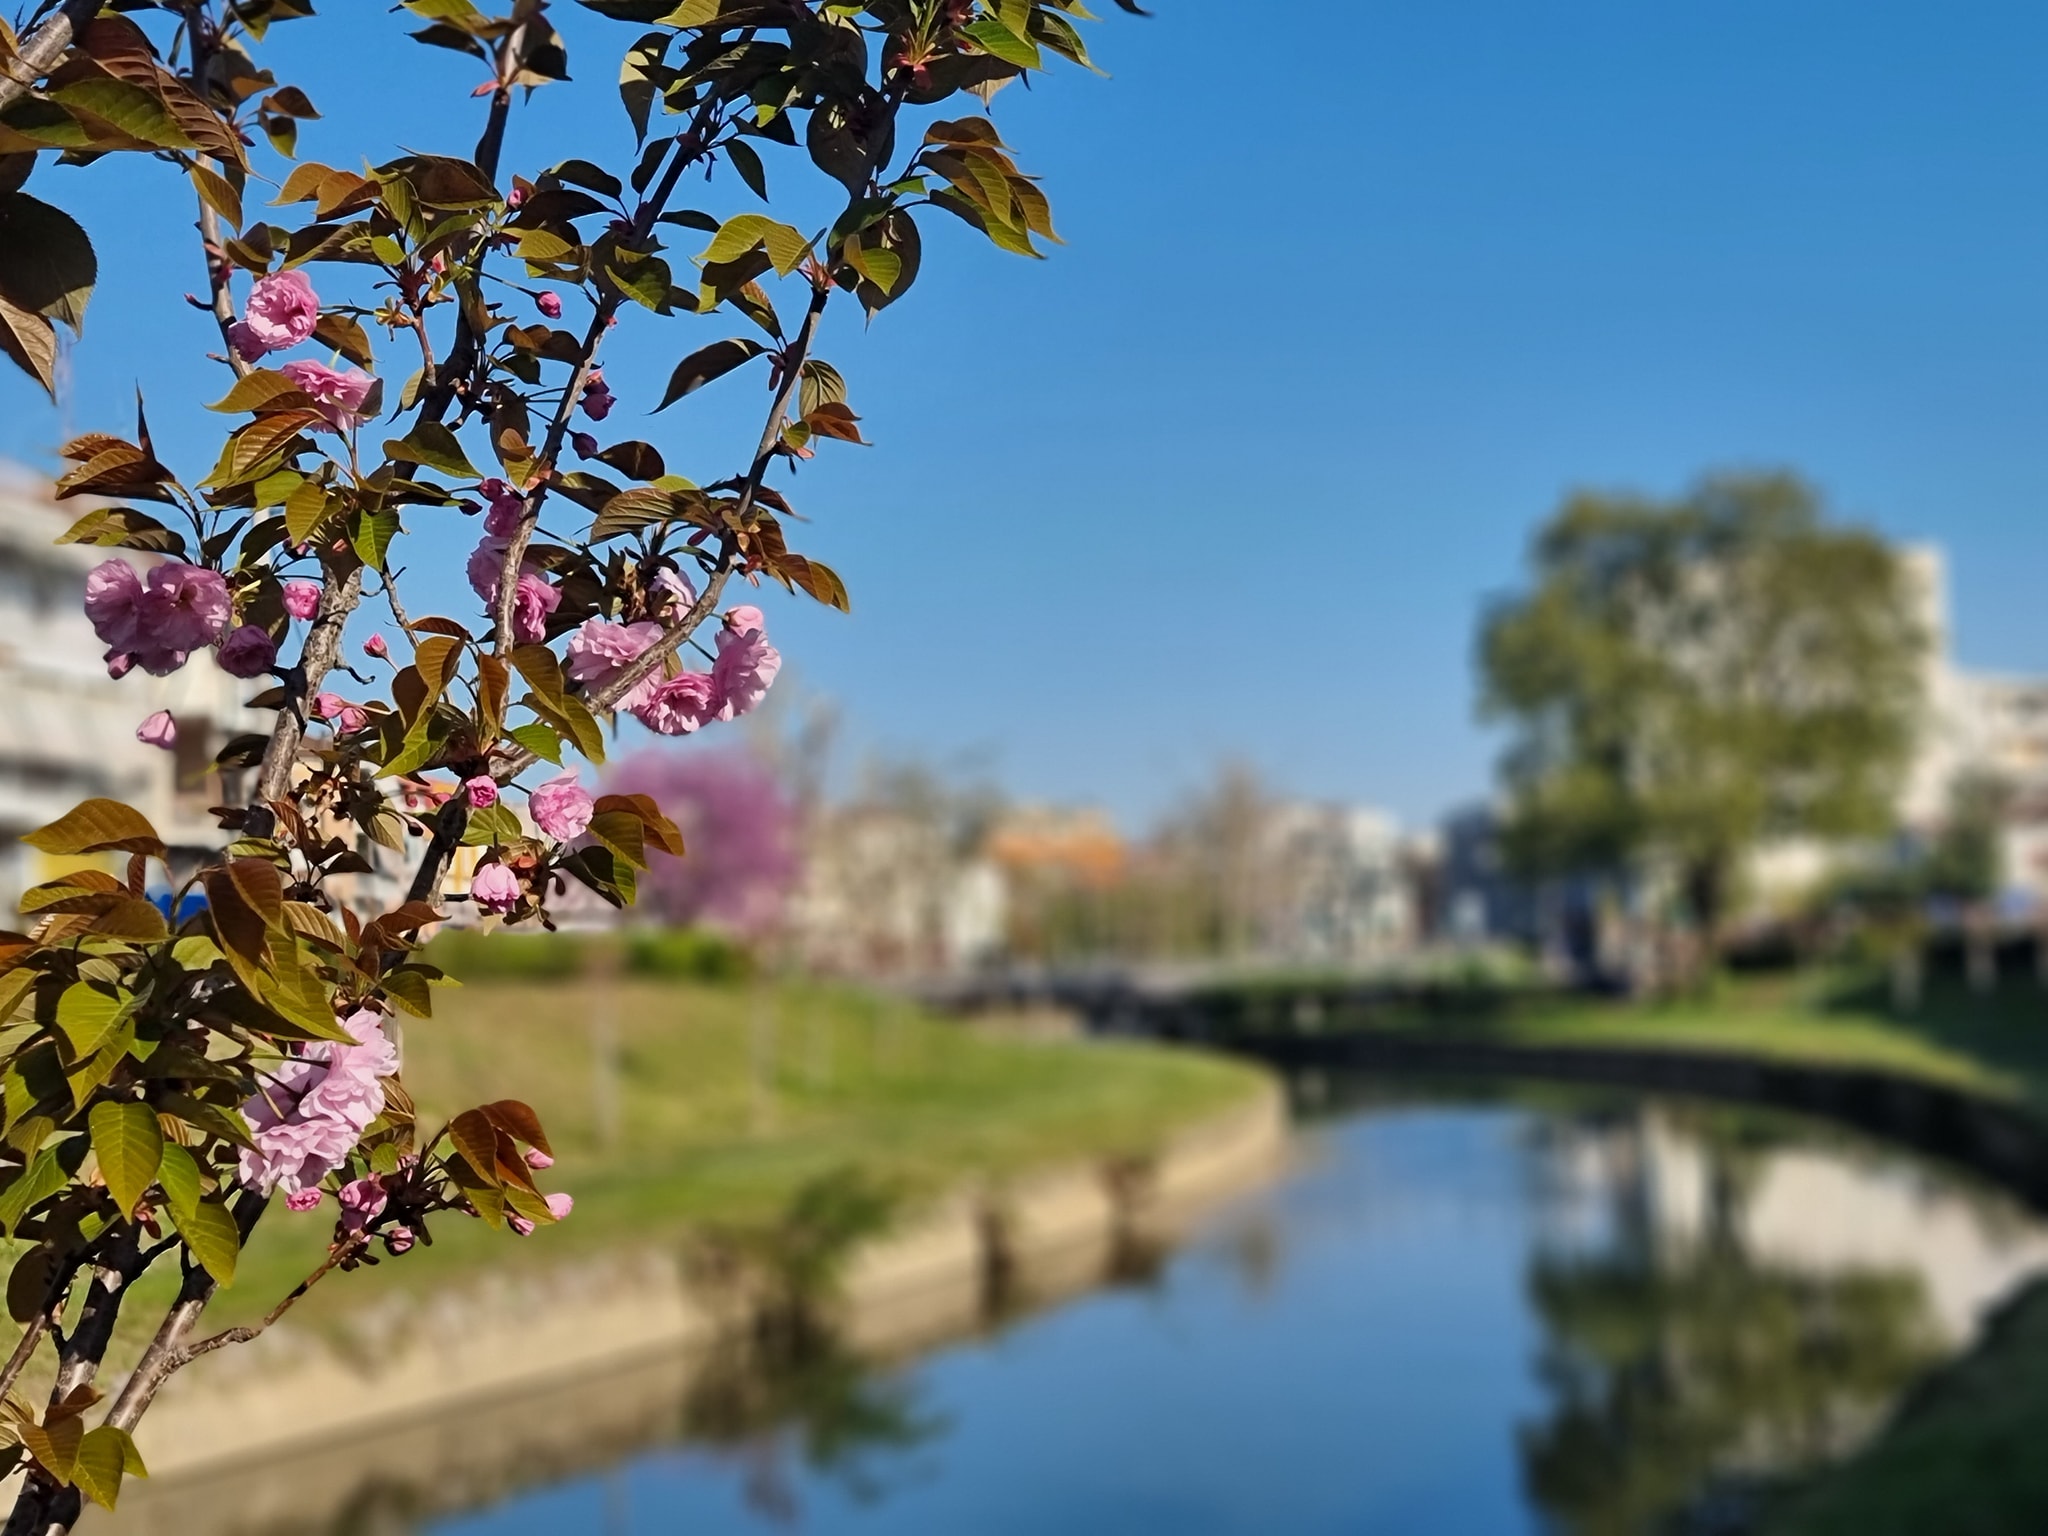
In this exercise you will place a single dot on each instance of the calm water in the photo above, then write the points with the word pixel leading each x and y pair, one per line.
pixel 1457 1317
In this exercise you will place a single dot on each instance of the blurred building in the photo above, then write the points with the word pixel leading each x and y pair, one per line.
pixel 67 730
pixel 1340 885
pixel 887 892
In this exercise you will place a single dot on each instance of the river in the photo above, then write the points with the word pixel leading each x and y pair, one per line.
pixel 1461 1312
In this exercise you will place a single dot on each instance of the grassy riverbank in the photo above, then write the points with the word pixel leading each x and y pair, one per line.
pixel 1995 1043
pixel 1962 1458
pixel 726 1099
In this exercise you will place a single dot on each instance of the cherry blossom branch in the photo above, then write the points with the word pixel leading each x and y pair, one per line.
pixel 161 1359
pixel 338 599
pixel 337 1254
pixel 44 48
pixel 689 146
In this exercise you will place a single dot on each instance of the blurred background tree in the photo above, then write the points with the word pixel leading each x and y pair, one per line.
pixel 1685 679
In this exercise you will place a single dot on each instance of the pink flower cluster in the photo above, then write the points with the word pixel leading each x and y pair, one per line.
pixel 739 678
pixel 155 624
pixel 532 601
pixel 282 311
pixel 494 888
pixel 312 1111
pixel 562 807
pixel 338 392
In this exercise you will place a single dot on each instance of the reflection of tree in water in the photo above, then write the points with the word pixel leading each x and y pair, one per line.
pixel 1682 1372
pixel 804 1401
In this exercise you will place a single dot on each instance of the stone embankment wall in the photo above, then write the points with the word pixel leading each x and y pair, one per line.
pixel 513 1382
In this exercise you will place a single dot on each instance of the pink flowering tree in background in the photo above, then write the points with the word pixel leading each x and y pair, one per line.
pixel 410 344
pixel 741 828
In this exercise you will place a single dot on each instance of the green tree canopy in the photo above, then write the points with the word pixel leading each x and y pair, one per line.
pixel 1686 678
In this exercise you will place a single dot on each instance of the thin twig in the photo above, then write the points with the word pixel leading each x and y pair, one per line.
pixel 341 1251
pixel 690 145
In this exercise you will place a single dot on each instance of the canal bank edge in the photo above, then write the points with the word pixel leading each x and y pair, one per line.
pixel 944 1274
pixel 2003 1141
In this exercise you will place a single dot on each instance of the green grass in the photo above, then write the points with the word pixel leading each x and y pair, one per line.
pixel 1995 1044
pixel 730 1099
pixel 1964 1458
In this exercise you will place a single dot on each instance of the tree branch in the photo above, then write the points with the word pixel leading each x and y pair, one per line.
pixel 44 48
pixel 227 1336
pixel 338 599
pixel 690 146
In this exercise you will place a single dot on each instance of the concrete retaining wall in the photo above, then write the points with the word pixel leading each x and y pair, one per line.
pixel 307 1417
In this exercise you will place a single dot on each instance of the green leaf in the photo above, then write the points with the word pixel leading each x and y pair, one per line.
pixel 47 265
pixel 374 533
pixel 995 38
pixel 179 1176
pixel 86 1015
pixel 43 1178
pixel 263 389
pixel 30 342
pixel 706 364
pixel 747 162
pixel 346 335
pixel 740 234
pixel 646 281
pixel 492 825
pixel 433 445
pixel 218 193
pixel 104 1455
pixel 539 738
pixel 130 1146
pixel 136 112
pixel 210 1232
pixel 98 826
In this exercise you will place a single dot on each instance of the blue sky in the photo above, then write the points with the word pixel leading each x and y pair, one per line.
pixel 1347 304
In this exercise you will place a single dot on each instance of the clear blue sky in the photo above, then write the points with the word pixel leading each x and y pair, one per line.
pixel 1345 308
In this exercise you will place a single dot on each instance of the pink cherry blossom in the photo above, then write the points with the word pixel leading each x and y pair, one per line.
pixel 248 652
pixel 507 505
pixel 327 705
pixel 486 566
pixel 674 596
pixel 494 888
pixel 600 650
pixel 375 646
pixel 302 598
pixel 398 1240
pixel 521 1226
pixel 302 1199
pixel 339 392
pixel 362 1201
pixel 113 593
pixel 156 623
pixel 550 304
pixel 746 619
pixel 119 664
pixel 744 671
pixel 532 601
pixel 680 705
pixel 159 730
pixel 539 1159
pixel 282 311
pixel 598 399
pixel 353 718
pixel 312 1109
pixel 482 791
pixel 561 807
pixel 560 1205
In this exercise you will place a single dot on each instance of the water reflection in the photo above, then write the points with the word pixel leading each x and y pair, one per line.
pixel 1460 1315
